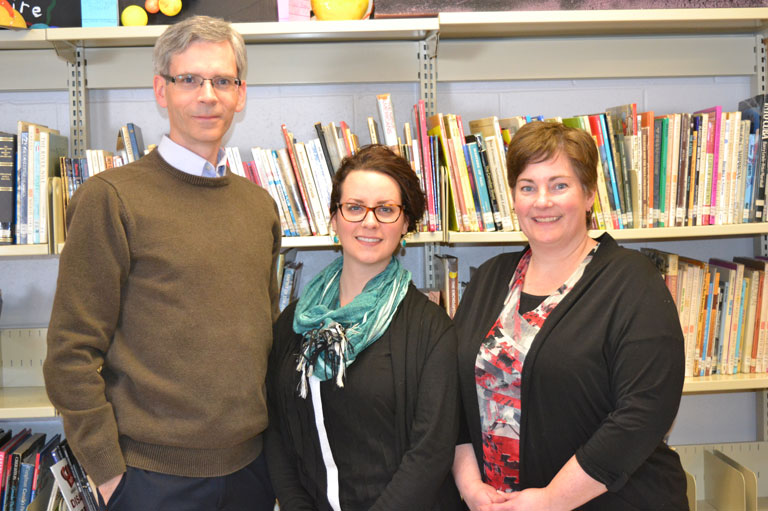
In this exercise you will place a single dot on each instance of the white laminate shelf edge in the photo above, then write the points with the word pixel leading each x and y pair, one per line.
pixel 659 233
pixel 24 250
pixel 25 403
pixel 468 238
pixel 603 22
pixel 725 383
pixel 407 29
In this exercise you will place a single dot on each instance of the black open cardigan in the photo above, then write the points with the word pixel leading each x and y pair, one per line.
pixel 602 380
pixel 423 347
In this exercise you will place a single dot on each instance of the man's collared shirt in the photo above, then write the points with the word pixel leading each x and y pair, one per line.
pixel 185 160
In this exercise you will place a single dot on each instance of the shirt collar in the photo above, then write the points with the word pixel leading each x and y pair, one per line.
pixel 187 161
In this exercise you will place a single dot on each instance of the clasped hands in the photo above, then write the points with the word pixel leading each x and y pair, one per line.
pixel 483 497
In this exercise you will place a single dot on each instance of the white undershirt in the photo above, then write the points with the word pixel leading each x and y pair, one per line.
pixel 331 470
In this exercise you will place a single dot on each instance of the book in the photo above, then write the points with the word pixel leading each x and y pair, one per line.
pixel 755 109
pixel 137 141
pixel 493 194
pixel 667 264
pixel 455 145
pixel 690 307
pixel 52 148
pixel 373 130
pixel 447 272
pixel 458 217
pixel 57 216
pixel 387 120
pixel 5 457
pixel 754 347
pixel 262 168
pixel 294 168
pixel 490 129
pixel 596 126
pixel 647 127
pixel 13 485
pixel 477 167
pixel 275 176
pixel 661 136
pixel 427 167
pixel 331 142
pixel 307 183
pixel 81 480
pixel 731 276
pixel 283 165
pixel 43 460
pixel 64 478
pixel 715 126
pixel 7 186
pixel 290 283
pixel 326 149
pixel 321 174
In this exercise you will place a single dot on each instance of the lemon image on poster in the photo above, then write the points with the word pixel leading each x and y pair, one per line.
pixel 342 9
pixel 133 16
pixel 170 7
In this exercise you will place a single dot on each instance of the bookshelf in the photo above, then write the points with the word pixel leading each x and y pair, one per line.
pixel 561 47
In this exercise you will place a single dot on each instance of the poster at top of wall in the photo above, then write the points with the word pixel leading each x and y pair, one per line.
pixel 421 8
pixel 230 10
pixel 39 13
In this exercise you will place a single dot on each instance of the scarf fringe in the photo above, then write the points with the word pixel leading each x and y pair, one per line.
pixel 329 342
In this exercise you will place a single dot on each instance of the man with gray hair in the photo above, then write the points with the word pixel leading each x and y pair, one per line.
pixel 162 320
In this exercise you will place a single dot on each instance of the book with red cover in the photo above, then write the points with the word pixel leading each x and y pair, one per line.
pixel 426 162
pixel 289 146
pixel 715 114
pixel 5 451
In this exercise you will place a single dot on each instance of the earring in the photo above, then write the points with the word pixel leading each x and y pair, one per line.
pixel 335 240
pixel 402 243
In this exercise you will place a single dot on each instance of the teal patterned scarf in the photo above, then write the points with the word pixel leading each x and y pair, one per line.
pixel 334 335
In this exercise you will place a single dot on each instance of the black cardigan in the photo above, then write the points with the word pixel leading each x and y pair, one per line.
pixel 423 349
pixel 602 380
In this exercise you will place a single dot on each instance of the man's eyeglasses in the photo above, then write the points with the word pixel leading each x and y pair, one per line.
pixel 384 213
pixel 190 82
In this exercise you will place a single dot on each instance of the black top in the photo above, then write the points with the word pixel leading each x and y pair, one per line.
pixel 529 302
pixel 602 379
pixel 358 421
pixel 392 428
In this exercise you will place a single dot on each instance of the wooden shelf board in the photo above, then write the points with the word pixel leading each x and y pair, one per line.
pixel 23 39
pixel 407 29
pixel 659 233
pixel 24 250
pixel 592 22
pixel 25 403
pixel 725 383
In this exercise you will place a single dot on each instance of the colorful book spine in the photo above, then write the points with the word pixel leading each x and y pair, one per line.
pixel 7 186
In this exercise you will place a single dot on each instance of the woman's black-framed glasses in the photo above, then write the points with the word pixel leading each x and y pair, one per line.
pixel 384 213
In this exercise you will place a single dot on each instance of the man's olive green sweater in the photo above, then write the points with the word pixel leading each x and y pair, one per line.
pixel 162 321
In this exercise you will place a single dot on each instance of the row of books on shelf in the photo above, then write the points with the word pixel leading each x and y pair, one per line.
pixel 299 175
pixel 39 474
pixel 37 179
pixel 723 309
pixel 682 169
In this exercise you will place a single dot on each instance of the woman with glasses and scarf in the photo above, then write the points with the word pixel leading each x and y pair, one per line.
pixel 362 383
